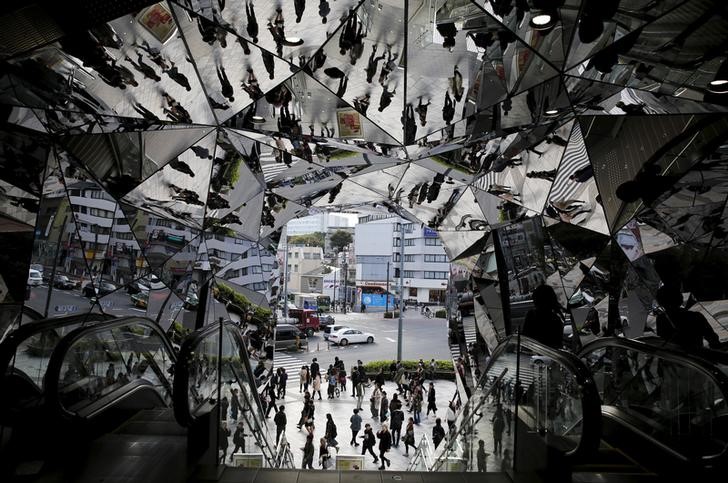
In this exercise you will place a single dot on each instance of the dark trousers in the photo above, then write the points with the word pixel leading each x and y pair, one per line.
pixel 369 448
pixel 383 458
pixel 240 447
pixel 279 431
pixel 396 432
pixel 353 436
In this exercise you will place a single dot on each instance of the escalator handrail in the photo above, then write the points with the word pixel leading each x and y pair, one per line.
pixel 590 401
pixel 9 346
pixel 182 411
pixel 670 354
pixel 53 373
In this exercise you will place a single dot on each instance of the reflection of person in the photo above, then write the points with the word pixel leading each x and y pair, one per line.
pixel 544 322
pixel 482 457
pixel 680 325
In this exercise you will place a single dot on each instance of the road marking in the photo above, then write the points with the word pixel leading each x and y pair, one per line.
pixel 390 340
pixel 138 310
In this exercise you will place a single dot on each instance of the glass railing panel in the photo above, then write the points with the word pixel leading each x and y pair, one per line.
pixel 203 373
pixel 249 438
pixel 99 362
pixel 680 403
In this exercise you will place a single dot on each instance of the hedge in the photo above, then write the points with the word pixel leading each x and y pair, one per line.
pixel 239 303
pixel 373 367
pixel 441 314
pixel 389 315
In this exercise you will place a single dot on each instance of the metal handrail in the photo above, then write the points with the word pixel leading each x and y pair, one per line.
pixel 667 353
pixel 53 373
pixel 182 411
pixel 420 453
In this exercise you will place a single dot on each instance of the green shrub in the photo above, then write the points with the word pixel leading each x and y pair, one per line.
pixel 441 314
pixel 373 367
pixel 390 315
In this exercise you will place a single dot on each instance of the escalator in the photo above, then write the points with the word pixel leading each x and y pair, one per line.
pixel 663 408
pixel 24 356
pixel 543 405
pixel 201 384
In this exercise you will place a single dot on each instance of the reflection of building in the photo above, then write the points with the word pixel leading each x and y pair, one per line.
pixel 319 222
pixel 426 265
pixel 523 244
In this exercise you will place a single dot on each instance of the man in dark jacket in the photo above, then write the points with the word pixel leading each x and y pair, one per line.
pixel 438 432
pixel 222 440
pixel 385 444
pixel 280 419
pixel 355 426
pixel 314 368
pixel 238 440
pixel 397 419
pixel 431 400
pixel 369 441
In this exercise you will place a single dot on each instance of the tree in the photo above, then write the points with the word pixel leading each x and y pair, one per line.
pixel 316 239
pixel 340 239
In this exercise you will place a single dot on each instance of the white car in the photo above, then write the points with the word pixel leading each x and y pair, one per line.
pixel 348 336
pixel 35 278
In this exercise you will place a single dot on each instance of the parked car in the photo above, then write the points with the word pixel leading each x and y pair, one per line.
pixel 348 336
pixel 64 283
pixel 99 289
pixel 140 300
pixel 329 329
pixel 326 320
pixel 286 335
pixel 35 278
pixel 191 301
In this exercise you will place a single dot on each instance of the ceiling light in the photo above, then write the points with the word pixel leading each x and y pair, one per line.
pixel 551 112
pixel 718 86
pixel 257 119
pixel 542 20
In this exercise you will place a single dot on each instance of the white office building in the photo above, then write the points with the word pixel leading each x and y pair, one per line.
pixel 377 245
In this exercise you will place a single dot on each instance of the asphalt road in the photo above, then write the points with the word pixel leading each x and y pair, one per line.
pixel 422 338
pixel 118 303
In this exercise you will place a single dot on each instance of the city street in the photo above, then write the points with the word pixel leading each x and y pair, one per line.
pixel 423 338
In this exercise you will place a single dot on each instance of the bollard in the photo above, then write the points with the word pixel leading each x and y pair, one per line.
pixel 317 346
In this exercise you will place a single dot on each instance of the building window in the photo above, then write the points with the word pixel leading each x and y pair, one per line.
pixel 413 291
pixel 433 242
pixel 295 268
pixel 396 242
pixel 409 274
pixel 244 271
pixel 436 275
pixel 409 242
pixel 436 258
pixel 256 269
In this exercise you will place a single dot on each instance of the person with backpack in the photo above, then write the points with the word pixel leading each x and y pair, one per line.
pixel 238 439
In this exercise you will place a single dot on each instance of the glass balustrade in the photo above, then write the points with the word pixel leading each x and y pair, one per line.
pixel 675 398
pixel 122 362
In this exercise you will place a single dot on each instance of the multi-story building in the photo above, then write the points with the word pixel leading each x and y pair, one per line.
pixel 377 245
pixel 320 222
pixel 302 260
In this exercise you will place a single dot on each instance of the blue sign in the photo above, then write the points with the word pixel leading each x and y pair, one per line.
pixel 429 233
pixel 376 300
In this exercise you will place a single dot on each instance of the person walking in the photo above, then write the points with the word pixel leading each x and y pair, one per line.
pixel 374 401
pixel 222 440
pixel 314 367
pixel 369 441
pixel 308 451
pixel 482 457
pixel 234 405
pixel 305 410
pixel 383 407
pixel 331 432
pixel 272 393
pixel 498 427
pixel 397 420
pixel 354 380
pixel 224 405
pixel 417 406
pixel 317 386
pixel 280 420
pixel 238 440
pixel 545 322
pixel 282 382
pixel 451 416
pixel 355 426
pixel 431 400
pixel 324 455
pixel 438 432
pixel 332 385
pixel 303 379
pixel 409 436
pixel 385 444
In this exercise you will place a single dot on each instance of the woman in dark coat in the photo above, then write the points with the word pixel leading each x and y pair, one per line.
pixel 385 443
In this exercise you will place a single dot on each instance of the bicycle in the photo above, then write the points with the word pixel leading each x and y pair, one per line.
pixel 428 314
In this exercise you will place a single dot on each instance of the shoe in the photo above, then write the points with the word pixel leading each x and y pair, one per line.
pixel 406 454
pixel 381 468
pixel 388 463
pixel 356 444
pixel 376 460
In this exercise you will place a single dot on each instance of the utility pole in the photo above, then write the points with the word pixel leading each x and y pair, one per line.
pixel 386 303
pixel 285 273
pixel 346 279
pixel 401 291
pixel 333 299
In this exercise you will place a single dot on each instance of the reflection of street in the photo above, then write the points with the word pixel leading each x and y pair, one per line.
pixel 118 303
